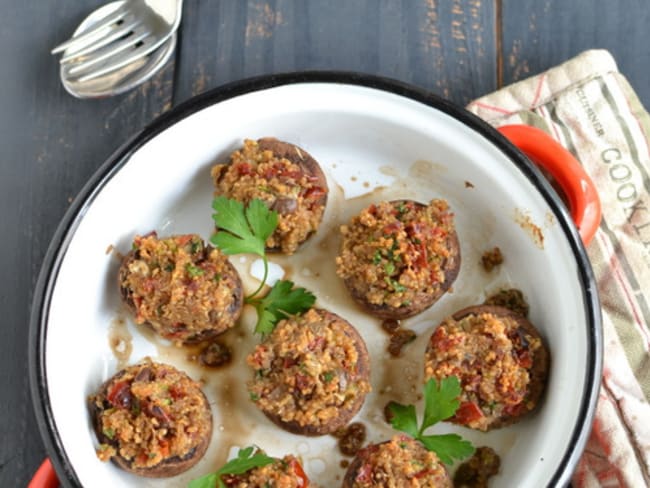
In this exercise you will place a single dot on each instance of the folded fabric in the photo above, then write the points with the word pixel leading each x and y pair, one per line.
pixel 590 108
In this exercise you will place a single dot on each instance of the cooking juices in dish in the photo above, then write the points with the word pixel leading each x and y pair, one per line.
pixel 184 289
pixel 500 359
pixel 311 374
pixel 286 178
pixel 397 258
pixel 398 462
pixel 151 420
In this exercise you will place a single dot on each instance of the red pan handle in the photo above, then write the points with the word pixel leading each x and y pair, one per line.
pixel 45 477
pixel 578 188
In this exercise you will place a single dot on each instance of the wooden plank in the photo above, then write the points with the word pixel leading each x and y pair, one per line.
pixel 447 47
pixel 51 143
pixel 540 34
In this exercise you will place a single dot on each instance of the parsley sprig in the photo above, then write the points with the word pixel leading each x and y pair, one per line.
pixel 440 403
pixel 244 462
pixel 244 230
pixel 282 301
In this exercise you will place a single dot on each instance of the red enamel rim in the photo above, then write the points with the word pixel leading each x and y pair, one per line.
pixel 45 477
pixel 578 188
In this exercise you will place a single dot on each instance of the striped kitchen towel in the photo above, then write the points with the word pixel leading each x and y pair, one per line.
pixel 589 107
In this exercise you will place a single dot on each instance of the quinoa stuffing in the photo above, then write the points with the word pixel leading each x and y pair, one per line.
pixel 497 362
pixel 150 413
pixel 399 463
pixel 185 290
pixel 311 373
pixel 283 473
pixel 296 191
pixel 399 254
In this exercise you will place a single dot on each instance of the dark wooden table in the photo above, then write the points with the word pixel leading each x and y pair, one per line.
pixel 51 143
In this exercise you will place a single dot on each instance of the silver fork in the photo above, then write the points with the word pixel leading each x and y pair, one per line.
pixel 132 31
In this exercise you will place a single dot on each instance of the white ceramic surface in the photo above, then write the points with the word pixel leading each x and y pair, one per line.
pixel 372 145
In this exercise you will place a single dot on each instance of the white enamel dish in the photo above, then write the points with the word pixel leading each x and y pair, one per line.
pixel 375 139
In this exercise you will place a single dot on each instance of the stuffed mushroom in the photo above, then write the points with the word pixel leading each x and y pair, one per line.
pixel 500 360
pixel 397 258
pixel 286 472
pixel 286 178
pixel 397 463
pixel 151 420
pixel 185 290
pixel 311 374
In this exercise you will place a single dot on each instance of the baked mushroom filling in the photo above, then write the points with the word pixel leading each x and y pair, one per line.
pixel 284 473
pixel 399 462
pixel 393 252
pixel 281 184
pixel 180 286
pixel 150 414
pixel 492 356
pixel 306 370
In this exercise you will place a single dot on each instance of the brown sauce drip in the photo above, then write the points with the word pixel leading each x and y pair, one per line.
pixel 512 299
pixel 399 336
pixel 390 325
pixel 491 259
pixel 477 470
pixel 388 413
pixel 399 339
pixel 215 354
pixel 120 342
pixel 351 438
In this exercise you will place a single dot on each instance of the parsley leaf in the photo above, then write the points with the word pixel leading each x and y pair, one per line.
pixel 266 321
pixel 245 230
pixel 261 220
pixel 280 302
pixel 448 446
pixel 245 461
pixel 242 231
pixel 440 403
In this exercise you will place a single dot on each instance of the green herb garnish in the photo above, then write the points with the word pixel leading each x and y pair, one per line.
pixel 242 230
pixel 196 246
pixel 245 230
pixel 193 271
pixel 245 461
pixel 389 268
pixel 394 284
pixel 282 301
pixel 440 403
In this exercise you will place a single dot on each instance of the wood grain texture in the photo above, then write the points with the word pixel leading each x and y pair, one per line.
pixel 50 144
pixel 540 34
pixel 445 46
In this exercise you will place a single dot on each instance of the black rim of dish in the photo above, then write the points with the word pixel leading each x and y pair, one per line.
pixel 74 215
